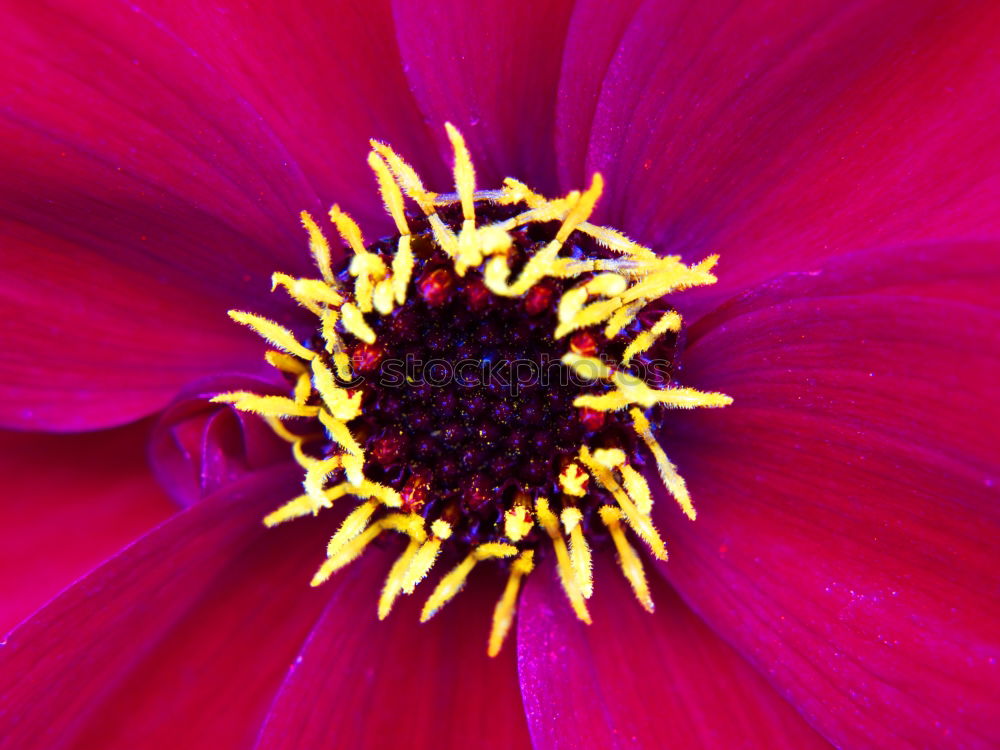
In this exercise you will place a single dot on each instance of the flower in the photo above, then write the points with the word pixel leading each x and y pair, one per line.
pixel 838 586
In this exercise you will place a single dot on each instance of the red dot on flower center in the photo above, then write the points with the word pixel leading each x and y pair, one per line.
pixel 435 287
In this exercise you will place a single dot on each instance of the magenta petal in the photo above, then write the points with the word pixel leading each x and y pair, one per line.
pixel 152 180
pixel 491 68
pixel 360 682
pixel 324 77
pixel 847 501
pixel 69 502
pixel 198 447
pixel 595 30
pixel 638 679
pixel 776 133
pixel 181 640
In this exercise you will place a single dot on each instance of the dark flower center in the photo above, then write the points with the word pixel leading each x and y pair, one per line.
pixel 486 383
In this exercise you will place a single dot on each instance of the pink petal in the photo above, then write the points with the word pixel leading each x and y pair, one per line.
pixel 595 30
pixel 396 683
pixel 69 502
pixel 491 68
pixel 199 447
pixel 637 679
pixel 152 180
pixel 777 133
pixel 181 640
pixel 847 502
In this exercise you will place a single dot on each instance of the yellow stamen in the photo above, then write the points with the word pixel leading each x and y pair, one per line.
pixel 319 247
pixel 641 524
pixel 454 580
pixel 407 178
pixel 285 363
pixel 425 557
pixel 567 575
pixel 579 551
pixel 354 322
pixel 354 524
pixel 273 333
pixel 303 505
pixel 394 581
pixel 672 480
pixel 266 406
pixel 573 481
pixel 669 321
pixel 503 614
pixel 628 559
pixel 637 488
pixel 517 523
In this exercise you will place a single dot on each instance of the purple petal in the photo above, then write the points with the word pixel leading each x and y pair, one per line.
pixel 634 679
pixel 847 501
pixel 181 640
pixel 361 682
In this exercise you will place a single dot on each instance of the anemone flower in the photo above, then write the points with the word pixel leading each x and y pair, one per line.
pixel 841 161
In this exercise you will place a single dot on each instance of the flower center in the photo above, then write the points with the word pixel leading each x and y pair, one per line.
pixel 486 384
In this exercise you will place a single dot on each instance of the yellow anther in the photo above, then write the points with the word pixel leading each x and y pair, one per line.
pixel 567 575
pixel 303 388
pixel 317 473
pixel 635 391
pixel 554 210
pixel 583 208
pixel 517 522
pixel 591 315
pixel 266 406
pixel 674 277
pixel 455 579
pixel 628 559
pixel 465 174
pixel 669 321
pixel 340 434
pixel 579 551
pixel 382 297
pixel 286 363
pixel 641 524
pixel 503 614
pixel 354 323
pixel 616 241
pixel 637 488
pixel 402 269
pixel 611 401
pixel 356 522
pixel 349 231
pixel 281 431
pixel 303 505
pixel 310 293
pixel 573 480
pixel 425 557
pixel 394 581
pixel 441 529
pixel 621 318
pixel 392 197
pixel 273 333
pixel 407 178
pixel 606 285
pixel 347 553
pixel 515 191
pixel 609 458
pixel 588 368
pixel 319 247
pixel 672 480
pixel 301 458
pixel 571 303
pixel 341 404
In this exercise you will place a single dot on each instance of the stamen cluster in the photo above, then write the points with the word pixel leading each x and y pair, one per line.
pixel 486 384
